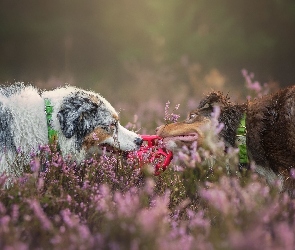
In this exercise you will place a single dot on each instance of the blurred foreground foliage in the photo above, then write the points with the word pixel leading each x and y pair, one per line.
pixel 200 202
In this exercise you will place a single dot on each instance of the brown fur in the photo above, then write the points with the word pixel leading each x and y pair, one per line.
pixel 175 129
pixel 270 123
pixel 98 133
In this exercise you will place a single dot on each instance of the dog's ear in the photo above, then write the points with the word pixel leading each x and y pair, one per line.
pixel 214 98
pixel 80 114
pixel 76 115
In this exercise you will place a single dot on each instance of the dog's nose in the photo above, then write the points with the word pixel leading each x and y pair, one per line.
pixel 138 141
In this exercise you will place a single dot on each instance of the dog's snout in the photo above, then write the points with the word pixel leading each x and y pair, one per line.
pixel 159 129
pixel 138 141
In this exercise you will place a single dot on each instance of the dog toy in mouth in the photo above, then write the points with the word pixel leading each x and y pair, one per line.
pixel 152 151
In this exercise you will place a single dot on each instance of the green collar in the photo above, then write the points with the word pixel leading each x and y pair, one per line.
pixel 241 140
pixel 52 134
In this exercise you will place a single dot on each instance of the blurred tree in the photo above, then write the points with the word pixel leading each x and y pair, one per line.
pixel 91 39
pixel 232 34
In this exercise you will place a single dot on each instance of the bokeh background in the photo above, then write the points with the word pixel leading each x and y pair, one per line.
pixel 147 51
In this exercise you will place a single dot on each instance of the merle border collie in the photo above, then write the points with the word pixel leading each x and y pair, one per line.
pixel 81 120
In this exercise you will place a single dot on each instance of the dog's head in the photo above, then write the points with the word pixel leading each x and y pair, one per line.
pixel 184 133
pixel 91 120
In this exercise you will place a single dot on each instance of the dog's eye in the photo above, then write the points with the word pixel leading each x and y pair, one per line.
pixel 206 106
pixel 192 116
pixel 113 125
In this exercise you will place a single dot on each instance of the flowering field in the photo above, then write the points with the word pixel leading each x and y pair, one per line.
pixel 200 202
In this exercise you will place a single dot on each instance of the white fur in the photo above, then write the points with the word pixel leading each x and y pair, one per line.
pixel 271 177
pixel 125 139
pixel 29 126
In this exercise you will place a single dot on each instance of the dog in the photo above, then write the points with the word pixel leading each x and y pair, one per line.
pixel 76 119
pixel 269 133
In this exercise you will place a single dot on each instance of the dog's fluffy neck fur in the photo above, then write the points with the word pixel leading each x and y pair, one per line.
pixel 270 134
pixel 231 116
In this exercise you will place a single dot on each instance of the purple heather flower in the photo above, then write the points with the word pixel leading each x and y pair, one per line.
pixel 218 198
pixel 3 179
pixel 18 150
pixel 40 184
pixel 171 117
pixel 255 86
pixel 35 165
pixel 94 136
pixel 15 212
pixel 56 239
pixel 38 211
pixel 4 223
pixel 69 219
pixel 285 233
pixel 2 208
pixel 216 124
pixel 84 233
pixel 44 148
pixel 149 186
pixel 62 229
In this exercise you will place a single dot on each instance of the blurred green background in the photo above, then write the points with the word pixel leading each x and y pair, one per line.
pixel 108 45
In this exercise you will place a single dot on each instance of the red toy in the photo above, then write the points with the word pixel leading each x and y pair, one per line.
pixel 151 151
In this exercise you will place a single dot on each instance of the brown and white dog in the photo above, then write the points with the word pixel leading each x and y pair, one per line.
pixel 270 125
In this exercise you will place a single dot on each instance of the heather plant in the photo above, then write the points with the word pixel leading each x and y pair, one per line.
pixel 254 87
pixel 200 165
pixel 201 201
pixel 171 117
